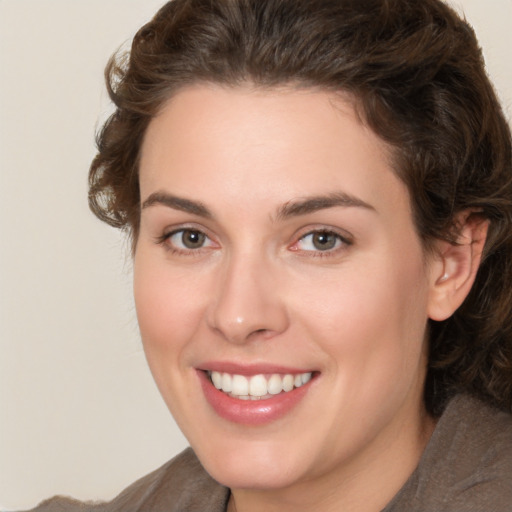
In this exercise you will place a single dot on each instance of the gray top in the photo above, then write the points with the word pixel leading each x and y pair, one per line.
pixel 466 467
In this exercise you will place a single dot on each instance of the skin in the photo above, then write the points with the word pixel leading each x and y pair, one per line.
pixel 258 290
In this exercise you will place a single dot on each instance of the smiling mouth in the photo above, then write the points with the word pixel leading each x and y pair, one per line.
pixel 257 387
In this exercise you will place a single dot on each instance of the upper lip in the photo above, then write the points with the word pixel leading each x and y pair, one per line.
pixel 250 369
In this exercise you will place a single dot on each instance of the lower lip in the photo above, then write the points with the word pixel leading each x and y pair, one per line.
pixel 251 412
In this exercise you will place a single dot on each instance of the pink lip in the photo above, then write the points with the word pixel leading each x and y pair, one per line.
pixel 249 369
pixel 252 412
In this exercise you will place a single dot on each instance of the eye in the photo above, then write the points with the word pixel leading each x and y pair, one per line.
pixel 321 240
pixel 187 240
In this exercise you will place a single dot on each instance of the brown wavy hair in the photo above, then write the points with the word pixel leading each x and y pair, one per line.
pixel 417 73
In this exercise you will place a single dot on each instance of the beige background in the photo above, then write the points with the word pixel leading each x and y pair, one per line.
pixel 79 413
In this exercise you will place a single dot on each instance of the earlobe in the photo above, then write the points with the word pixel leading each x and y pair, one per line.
pixel 455 264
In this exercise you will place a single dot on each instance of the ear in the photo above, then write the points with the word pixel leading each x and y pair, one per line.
pixel 454 265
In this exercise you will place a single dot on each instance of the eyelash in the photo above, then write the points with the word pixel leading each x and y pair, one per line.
pixel 165 241
pixel 342 242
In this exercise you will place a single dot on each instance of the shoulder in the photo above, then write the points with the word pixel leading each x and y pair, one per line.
pixel 179 485
pixel 467 465
pixel 65 504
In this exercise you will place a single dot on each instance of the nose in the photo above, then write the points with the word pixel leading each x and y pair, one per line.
pixel 247 303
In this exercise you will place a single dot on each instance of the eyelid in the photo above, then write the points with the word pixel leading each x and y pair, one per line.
pixel 344 237
pixel 170 231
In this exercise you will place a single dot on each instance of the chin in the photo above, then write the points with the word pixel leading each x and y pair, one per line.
pixel 253 465
pixel 251 475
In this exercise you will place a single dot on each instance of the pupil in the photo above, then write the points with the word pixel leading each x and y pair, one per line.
pixel 193 239
pixel 324 241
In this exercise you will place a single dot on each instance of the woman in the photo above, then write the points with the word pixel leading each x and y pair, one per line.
pixel 319 195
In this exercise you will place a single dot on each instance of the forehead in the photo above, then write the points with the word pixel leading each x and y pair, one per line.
pixel 277 144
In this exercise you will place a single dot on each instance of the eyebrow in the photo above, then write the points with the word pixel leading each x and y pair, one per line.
pixel 316 203
pixel 293 208
pixel 177 203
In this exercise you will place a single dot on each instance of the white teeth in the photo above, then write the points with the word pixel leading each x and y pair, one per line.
pixel 217 380
pixel 288 382
pixel 258 386
pixel 305 377
pixel 240 385
pixel 227 382
pixel 275 384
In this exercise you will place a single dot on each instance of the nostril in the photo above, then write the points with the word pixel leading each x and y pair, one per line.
pixel 263 333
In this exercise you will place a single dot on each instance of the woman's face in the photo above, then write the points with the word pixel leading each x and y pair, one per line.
pixel 277 256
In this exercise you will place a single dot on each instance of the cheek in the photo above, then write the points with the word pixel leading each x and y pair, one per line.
pixel 169 307
pixel 169 312
pixel 372 315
